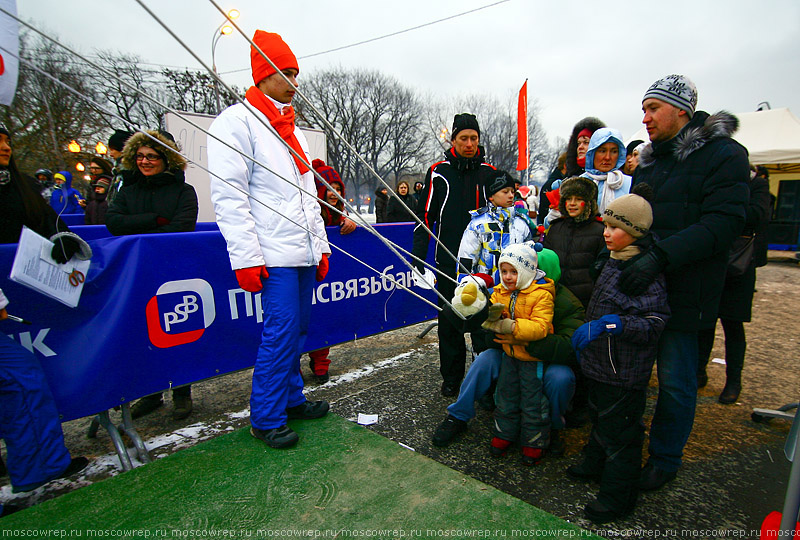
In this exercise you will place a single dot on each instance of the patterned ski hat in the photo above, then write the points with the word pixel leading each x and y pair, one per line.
pixel 631 213
pixel 525 260
pixel 676 90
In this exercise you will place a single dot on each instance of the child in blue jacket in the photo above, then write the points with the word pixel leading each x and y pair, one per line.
pixel 616 350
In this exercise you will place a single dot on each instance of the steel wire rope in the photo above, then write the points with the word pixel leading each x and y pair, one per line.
pixel 161 143
pixel 189 121
pixel 341 137
pixel 269 126
pixel 391 245
pixel 378 38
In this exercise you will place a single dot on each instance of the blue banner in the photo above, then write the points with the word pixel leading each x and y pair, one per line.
pixel 165 310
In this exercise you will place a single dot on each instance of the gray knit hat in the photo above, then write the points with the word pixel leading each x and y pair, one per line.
pixel 631 213
pixel 524 258
pixel 677 90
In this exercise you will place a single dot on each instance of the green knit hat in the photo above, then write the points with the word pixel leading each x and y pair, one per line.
pixel 549 263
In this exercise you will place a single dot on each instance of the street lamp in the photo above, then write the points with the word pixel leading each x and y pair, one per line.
pixel 222 30
pixel 74 147
pixel 100 148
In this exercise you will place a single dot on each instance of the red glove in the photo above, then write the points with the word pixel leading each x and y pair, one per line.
pixel 250 278
pixel 322 267
pixel 161 221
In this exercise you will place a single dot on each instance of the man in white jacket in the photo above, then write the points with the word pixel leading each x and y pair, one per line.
pixel 274 231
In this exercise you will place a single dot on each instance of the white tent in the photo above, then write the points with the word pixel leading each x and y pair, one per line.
pixel 773 139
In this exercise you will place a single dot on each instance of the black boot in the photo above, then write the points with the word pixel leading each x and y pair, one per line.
pixel 734 360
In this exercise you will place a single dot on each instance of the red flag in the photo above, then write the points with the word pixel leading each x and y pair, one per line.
pixel 522 128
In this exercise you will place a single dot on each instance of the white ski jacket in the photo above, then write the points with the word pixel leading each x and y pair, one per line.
pixel 275 233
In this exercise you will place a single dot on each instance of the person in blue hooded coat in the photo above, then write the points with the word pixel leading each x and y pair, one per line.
pixel 604 160
pixel 65 199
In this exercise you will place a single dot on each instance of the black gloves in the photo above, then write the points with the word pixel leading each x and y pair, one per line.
pixel 64 248
pixel 638 273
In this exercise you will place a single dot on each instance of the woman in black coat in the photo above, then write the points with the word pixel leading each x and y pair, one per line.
pixel 394 210
pixel 155 198
pixel 735 306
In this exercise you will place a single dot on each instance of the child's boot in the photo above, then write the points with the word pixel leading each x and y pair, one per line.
pixel 499 446
pixel 531 456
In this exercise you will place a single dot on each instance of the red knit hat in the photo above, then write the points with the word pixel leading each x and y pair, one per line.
pixel 276 49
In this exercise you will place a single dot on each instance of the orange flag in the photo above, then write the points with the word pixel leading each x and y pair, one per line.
pixel 522 128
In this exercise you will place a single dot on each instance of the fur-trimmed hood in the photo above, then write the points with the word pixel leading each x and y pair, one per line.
pixel 701 129
pixel 591 123
pixel 579 186
pixel 169 150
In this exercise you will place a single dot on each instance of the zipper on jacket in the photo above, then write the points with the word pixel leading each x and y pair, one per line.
pixel 611 356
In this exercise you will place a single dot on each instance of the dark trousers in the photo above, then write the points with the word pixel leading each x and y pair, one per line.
pixel 452 347
pixel 735 346
pixel 523 412
pixel 615 443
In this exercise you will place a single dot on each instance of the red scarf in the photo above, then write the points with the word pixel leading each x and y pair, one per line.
pixel 283 123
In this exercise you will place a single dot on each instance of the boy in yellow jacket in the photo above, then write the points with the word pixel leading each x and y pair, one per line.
pixel 527 297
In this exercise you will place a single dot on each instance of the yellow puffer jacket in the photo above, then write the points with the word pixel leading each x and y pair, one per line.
pixel 533 311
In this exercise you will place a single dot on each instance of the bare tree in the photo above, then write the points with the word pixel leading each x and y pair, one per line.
pixel 377 115
pixel 498 122
pixel 125 91
pixel 44 116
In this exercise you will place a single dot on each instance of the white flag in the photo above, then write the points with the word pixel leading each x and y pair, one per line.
pixel 9 52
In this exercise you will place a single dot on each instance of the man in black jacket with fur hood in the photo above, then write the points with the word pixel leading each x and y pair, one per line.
pixel 453 187
pixel 699 178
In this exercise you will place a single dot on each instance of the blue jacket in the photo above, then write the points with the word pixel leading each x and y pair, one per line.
pixel 625 360
pixel 64 198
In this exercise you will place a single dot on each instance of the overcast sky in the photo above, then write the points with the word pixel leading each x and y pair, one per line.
pixel 580 58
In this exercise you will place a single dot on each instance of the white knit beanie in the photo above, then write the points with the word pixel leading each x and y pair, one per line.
pixel 525 260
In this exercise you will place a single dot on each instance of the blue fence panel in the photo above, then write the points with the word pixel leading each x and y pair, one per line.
pixel 166 310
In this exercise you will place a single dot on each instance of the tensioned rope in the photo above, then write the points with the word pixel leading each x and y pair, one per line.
pixel 72 90
pixel 392 34
pixel 329 126
pixel 322 180
pixel 302 158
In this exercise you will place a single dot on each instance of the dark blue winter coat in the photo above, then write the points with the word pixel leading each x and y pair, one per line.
pixel 627 359
pixel 699 179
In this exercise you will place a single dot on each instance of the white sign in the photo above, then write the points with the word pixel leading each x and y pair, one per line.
pixel 193 142
pixel 9 52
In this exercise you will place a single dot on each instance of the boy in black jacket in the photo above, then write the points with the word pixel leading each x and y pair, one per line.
pixel 616 350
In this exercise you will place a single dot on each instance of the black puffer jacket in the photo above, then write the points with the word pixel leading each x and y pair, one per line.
pixel 143 200
pixel 578 245
pixel 699 180
pixel 453 187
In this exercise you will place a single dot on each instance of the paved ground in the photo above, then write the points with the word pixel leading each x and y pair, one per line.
pixel 734 473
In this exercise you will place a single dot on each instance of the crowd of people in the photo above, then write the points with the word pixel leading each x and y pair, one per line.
pixel 619 263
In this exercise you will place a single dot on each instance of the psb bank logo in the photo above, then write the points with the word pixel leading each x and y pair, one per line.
pixel 180 312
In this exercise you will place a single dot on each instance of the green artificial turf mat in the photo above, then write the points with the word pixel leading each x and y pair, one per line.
pixel 341 481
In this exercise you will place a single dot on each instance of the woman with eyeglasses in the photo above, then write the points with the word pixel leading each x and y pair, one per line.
pixel 155 199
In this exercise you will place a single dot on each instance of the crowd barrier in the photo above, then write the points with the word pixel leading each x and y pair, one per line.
pixel 159 311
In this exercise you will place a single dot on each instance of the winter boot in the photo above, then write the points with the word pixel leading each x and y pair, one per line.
pixel 531 456
pixel 499 446
pixel 734 360
pixel 448 430
pixel 146 405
